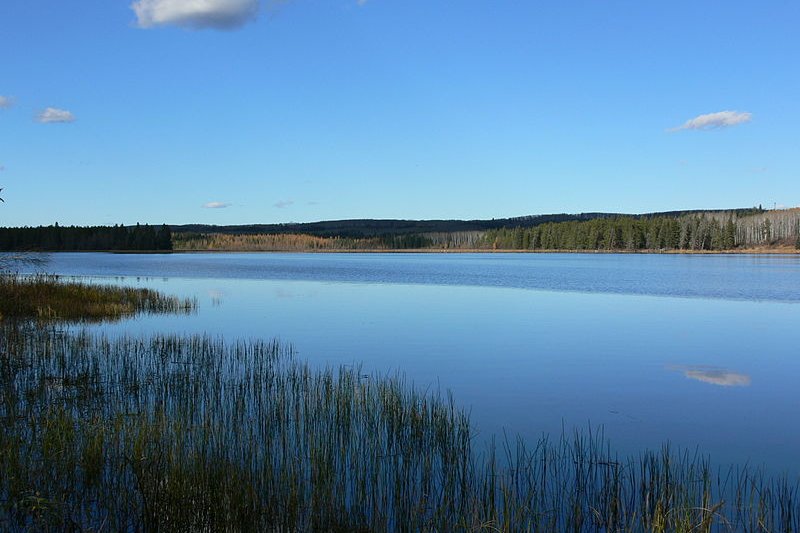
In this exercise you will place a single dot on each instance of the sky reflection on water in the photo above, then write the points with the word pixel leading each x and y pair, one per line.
pixel 525 360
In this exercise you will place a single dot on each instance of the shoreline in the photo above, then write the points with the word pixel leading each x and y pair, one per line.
pixel 775 250
pixel 743 251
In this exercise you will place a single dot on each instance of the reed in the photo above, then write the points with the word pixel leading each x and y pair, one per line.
pixel 197 433
pixel 50 298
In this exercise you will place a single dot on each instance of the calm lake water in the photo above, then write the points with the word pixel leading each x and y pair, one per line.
pixel 701 351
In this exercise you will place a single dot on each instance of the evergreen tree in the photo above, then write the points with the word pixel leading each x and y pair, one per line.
pixel 729 237
pixel 797 231
pixel 164 238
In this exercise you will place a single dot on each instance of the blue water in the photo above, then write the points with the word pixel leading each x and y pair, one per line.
pixel 701 351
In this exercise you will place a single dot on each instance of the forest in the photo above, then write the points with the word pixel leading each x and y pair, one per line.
pixel 711 231
pixel 689 231
pixel 738 229
pixel 364 228
pixel 55 238
pixel 272 242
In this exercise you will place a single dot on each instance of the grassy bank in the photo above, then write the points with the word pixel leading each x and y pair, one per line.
pixel 51 298
pixel 193 433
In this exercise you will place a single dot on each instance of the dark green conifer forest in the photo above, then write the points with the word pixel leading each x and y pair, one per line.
pixel 703 232
pixel 57 238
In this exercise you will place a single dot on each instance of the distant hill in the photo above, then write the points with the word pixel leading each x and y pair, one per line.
pixel 360 228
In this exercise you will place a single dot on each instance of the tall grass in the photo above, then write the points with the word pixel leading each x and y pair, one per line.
pixel 196 433
pixel 50 298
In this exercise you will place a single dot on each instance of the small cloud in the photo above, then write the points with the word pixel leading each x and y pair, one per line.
pixel 715 376
pixel 195 14
pixel 53 115
pixel 361 2
pixel 283 204
pixel 722 119
pixel 216 205
pixel 2 168
pixel 6 102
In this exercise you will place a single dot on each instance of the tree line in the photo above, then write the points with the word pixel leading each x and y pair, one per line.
pixel 698 231
pixel 704 232
pixel 386 228
pixel 294 242
pixel 57 238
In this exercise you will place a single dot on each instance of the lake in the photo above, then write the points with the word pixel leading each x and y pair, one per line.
pixel 697 350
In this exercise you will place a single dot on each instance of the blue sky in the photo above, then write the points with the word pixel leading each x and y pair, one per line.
pixel 303 110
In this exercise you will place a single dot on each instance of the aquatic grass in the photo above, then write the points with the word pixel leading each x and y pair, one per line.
pixel 51 298
pixel 194 433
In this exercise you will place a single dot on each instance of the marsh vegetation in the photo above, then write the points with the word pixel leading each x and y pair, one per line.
pixel 51 298
pixel 185 433
pixel 196 433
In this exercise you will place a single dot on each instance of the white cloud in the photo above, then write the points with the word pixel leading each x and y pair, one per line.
pixel 283 204
pixel 216 205
pixel 719 377
pixel 715 376
pixel 721 119
pixel 195 14
pixel 55 115
pixel 6 102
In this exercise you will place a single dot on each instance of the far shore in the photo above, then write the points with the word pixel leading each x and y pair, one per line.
pixel 764 250
pixel 771 250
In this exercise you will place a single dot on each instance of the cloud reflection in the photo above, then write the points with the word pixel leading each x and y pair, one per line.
pixel 715 376
pixel 216 296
